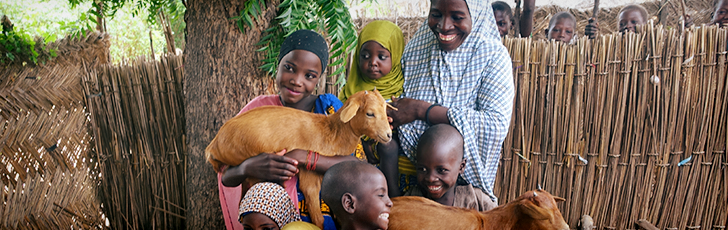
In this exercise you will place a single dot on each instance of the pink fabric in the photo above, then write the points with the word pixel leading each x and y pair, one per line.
pixel 230 196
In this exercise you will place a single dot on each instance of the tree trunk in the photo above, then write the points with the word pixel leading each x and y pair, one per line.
pixel 221 76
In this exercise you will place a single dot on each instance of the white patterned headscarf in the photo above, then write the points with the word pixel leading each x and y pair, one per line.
pixel 269 199
pixel 475 81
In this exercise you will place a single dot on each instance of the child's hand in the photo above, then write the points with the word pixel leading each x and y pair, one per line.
pixel 592 29
pixel 270 167
pixel 298 155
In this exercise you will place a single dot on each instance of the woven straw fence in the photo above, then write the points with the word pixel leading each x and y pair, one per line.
pixel 46 178
pixel 627 127
pixel 138 122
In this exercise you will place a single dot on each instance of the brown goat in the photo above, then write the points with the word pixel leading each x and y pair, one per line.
pixel 533 210
pixel 269 129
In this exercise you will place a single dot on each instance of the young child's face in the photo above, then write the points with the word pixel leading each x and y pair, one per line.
pixel 298 74
pixel 373 203
pixel 437 170
pixel 629 20
pixel 720 16
pixel 258 221
pixel 503 21
pixel 450 21
pixel 562 30
pixel 374 60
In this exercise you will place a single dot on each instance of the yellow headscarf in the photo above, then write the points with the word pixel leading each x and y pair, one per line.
pixel 390 37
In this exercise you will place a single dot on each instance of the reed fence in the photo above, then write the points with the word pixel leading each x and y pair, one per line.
pixel 625 127
pixel 137 119
pixel 46 178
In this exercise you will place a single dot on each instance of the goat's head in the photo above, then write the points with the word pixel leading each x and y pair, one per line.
pixel 540 206
pixel 366 113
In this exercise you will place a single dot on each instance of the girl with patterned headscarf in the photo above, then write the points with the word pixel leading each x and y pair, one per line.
pixel 458 72
pixel 266 206
pixel 379 66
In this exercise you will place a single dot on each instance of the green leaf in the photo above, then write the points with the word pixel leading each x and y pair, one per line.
pixel 264 48
pixel 337 62
pixel 286 13
pixel 284 4
pixel 261 4
pixel 267 66
pixel 336 46
pixel 240 25
pixel 261 42
pixel 248 21
pixel 337 71
pixel 327 7
pixel 338 53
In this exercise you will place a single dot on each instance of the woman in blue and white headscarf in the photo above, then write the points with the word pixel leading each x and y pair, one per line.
pixel 458 72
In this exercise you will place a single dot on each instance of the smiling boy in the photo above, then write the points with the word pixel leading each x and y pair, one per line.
pixel 439 162
pixel 357 195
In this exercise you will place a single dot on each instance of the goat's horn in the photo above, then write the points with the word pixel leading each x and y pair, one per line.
pixel 534 194
pixel 391 107
pixel 539 186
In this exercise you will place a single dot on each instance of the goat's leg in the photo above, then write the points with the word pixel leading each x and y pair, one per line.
pixel 310 185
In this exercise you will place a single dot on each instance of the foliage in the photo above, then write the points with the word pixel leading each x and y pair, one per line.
pixel 176 12
pixel 329 16
pixel 130 36
pixel 55 19
pixel 136 42
pixel 79 28
pixel 18 45
pixel 148 8
pixel 51 20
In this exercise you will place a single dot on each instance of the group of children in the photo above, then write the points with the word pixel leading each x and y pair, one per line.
pixel 356 192
pixel 562 26
pixel 353 191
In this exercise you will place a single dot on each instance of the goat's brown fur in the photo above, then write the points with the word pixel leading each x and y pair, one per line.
pixel 533 210
pixel 269 129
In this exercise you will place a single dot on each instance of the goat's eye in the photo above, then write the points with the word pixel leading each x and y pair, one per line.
pixel 370 114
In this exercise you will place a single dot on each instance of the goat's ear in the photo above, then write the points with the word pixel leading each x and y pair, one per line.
pixel 559 199
pixel 349 111
pixel 530 209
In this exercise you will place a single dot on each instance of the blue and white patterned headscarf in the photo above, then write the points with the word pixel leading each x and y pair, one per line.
pixel 475 81
pixel 269 199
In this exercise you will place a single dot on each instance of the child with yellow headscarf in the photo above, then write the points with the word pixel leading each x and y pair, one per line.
pixel 376 61
pixel 377 65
